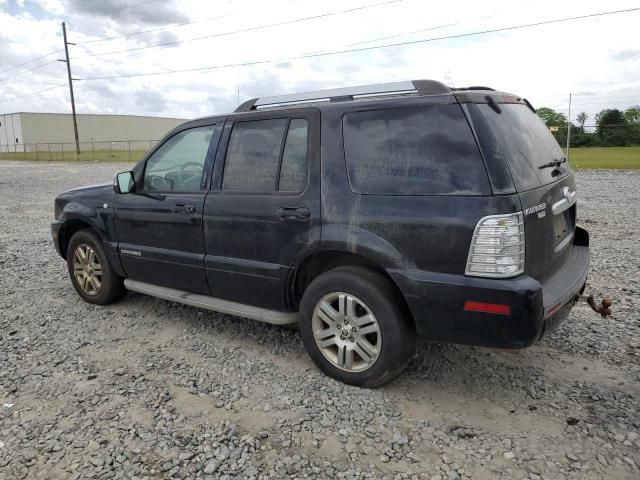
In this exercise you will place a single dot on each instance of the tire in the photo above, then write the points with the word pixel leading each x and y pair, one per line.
pixel 106 287
pixel 375 302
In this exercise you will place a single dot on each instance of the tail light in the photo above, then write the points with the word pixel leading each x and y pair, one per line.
pixel 497 247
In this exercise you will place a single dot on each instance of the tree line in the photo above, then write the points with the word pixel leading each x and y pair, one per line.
pixel 613 127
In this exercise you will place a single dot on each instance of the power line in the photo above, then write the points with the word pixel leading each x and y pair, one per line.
pixel 27 71
pixel 605 102
pixel 362 49
pixel 30 61
pixel 595 97
pixel 249 29
pixel 33 93
pixel 404 34
pixel 617 91
pixel 165 27
pixel 364 42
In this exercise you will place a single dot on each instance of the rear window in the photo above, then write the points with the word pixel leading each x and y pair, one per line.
pixel 522 139
pixel 427 150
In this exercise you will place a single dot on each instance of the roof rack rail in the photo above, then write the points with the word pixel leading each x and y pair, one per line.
pixel 421 87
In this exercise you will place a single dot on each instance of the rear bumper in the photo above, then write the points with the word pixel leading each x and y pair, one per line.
pixel 437 302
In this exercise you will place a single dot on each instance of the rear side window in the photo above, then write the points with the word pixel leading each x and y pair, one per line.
pixel 267 155
pixel 293 172
pixel 253 155
pixel 427 150
pixel 523 141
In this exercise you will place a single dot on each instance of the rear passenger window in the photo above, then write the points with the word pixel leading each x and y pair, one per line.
pixel 253 155
pixel 293 172
pixel 426 150
pixel 258 162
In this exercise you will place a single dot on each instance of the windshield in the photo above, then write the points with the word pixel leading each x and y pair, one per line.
pixel 520 137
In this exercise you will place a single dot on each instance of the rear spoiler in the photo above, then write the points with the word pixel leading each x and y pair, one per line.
pixel 488 96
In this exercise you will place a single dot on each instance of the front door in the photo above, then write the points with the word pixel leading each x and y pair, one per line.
pixel 159 225
pixel 263 209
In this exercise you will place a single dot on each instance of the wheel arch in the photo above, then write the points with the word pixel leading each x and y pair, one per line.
pixel 69 228
pixel 318 262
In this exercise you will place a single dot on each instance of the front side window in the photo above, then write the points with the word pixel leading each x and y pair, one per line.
pixel 178 165
pixel 267 155
pixel 428 150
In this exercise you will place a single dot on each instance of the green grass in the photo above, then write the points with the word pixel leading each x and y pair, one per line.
pixel 85 156
pixel 605 157
pixel 590 157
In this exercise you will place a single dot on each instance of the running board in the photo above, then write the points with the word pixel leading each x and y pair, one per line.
pixel 211 303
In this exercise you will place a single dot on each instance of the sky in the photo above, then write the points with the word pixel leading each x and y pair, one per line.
pixel 596 59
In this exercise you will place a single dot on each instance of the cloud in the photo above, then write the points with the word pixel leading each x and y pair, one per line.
pixel 163 37
pixel 518 61
pixel 624 55
pixel 151 100
pixel 146 13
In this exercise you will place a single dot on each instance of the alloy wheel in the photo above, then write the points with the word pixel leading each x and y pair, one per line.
pixel 346 332
pixel 87 269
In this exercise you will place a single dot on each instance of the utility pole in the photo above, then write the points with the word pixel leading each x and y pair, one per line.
pixel 73 102
pixel 569 129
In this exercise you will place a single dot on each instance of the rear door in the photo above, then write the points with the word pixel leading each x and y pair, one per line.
pixel 263 209
pixel 547 192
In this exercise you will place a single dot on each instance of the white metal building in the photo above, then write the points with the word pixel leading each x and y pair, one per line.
pixel 23 131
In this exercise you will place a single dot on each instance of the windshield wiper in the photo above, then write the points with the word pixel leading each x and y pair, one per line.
pixel 554 163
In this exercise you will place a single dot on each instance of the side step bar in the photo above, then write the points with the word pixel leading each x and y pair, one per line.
pixel 212 303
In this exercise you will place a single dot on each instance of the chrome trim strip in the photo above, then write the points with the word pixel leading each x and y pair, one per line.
pixel 564 204
pixel 212 303
pixel 565 241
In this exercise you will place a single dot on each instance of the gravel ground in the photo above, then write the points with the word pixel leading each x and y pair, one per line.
pixel 150 389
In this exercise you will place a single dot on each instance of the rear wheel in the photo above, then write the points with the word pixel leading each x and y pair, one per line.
pixel 90 271
pixel 355 328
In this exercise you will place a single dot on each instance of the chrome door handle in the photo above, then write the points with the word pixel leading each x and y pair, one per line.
pixel 182 208
pixel 294 213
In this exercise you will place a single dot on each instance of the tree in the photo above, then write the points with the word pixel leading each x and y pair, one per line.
pixel 551 118
pixel 612 128
pixel 632 115
pixel 581 118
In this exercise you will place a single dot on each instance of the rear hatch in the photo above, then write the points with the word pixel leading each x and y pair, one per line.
pixel 514 134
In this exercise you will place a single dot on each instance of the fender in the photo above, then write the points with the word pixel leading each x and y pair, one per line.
pixel 92 206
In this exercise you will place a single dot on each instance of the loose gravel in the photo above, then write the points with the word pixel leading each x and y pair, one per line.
pixel 151 389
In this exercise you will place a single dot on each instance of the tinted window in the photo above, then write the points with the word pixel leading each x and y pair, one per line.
pixel 293 171
pixel 522 139
pixel 179 163
pixel 253 155
pixel 413 151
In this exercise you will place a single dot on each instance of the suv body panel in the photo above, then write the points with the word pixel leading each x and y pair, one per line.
pixel 250 249
pixel 421 241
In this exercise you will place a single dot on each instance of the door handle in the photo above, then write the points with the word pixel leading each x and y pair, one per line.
pixel 294 213
pixel 182 208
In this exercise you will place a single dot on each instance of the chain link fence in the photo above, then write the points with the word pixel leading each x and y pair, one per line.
pixel 116 151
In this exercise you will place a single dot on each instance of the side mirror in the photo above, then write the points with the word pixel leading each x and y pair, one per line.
pixel 123 182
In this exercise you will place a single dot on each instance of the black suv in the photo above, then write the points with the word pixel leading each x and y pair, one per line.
pixel 368 214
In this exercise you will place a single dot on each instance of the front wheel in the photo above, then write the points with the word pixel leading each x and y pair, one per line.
pixel 90 271
pixel 355 328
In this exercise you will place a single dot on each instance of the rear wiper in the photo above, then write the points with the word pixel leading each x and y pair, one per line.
pixel 554 163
